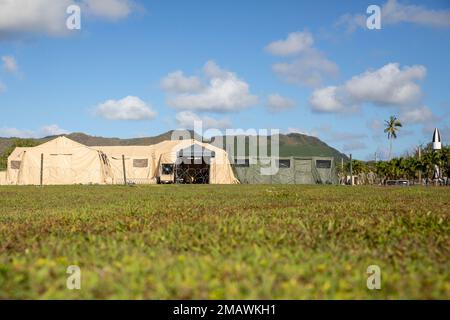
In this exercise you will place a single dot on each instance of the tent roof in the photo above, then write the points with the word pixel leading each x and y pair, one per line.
pixel 60 143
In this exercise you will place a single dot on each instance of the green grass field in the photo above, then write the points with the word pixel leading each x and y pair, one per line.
pixel 231 242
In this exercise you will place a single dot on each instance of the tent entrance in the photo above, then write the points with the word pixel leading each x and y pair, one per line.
pixel 192 172
pixel 193 165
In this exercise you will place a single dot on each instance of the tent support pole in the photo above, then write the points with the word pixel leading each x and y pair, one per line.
pixel 351 170
pixel 124 171
pixel 42 170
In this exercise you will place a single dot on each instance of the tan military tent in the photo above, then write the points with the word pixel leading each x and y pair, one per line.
pixel 67 162
pixel 63 162
pixel 139 163
pixel 168 152
pixel 143 164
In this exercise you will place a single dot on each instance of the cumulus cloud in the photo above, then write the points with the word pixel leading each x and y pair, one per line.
pixel 309 67
pixel 48 130
pixel 394 12
pixel 222 92
pixel 48 17
pixel 186 119
pixel 417 115
pixel 10 64
pixel 177 82
pixel 295 43
pixel 52 130
pixel 128 108
pixel 277 103
pixel 388 86
pixel 309 70
pixel 326 100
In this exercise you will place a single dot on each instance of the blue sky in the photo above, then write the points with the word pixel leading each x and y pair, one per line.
pixel 141 68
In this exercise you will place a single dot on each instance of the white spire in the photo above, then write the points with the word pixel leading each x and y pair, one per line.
pixel 437 144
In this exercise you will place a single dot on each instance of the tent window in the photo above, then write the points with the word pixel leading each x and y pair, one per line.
pixel 167 168
pixel 241 162
pixel 15 164
pixel 323 164
pixel 283 164
pixel 140 163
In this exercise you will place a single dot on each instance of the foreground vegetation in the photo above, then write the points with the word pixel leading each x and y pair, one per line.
pixel 239 241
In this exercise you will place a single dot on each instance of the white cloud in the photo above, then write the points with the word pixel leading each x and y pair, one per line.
pixel 44 131
pixel 417 115
pixel 128 108
pixel 298 130
pixel 309 67
pixel 295 43
pixel 2 87
pixel 108 9
pixel 326 100
pixel 10 64
pixel 309 70
pixel 389 85
pixel 277 103
pixel 52 130
pixel 186 119
pixel 394 12
pixel 18 17
pixel 224 92
pixel 176 82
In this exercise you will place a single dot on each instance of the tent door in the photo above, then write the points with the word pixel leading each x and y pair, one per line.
pixel 192 171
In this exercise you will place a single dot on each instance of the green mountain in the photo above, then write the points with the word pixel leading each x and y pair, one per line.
pixel 292 144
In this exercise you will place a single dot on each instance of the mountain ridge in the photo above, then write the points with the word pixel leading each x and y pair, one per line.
pixel 291 144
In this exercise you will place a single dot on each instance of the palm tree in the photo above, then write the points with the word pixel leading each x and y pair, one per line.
pixel 392 126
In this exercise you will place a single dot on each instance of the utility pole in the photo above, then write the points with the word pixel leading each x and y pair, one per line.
pixel 124 171
pixel 420 171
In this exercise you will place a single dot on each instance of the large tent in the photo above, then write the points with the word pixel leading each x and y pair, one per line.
pixel 59 161
pixel 291 170
pixel 190 155
pixel 63 161
pixel 166 161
